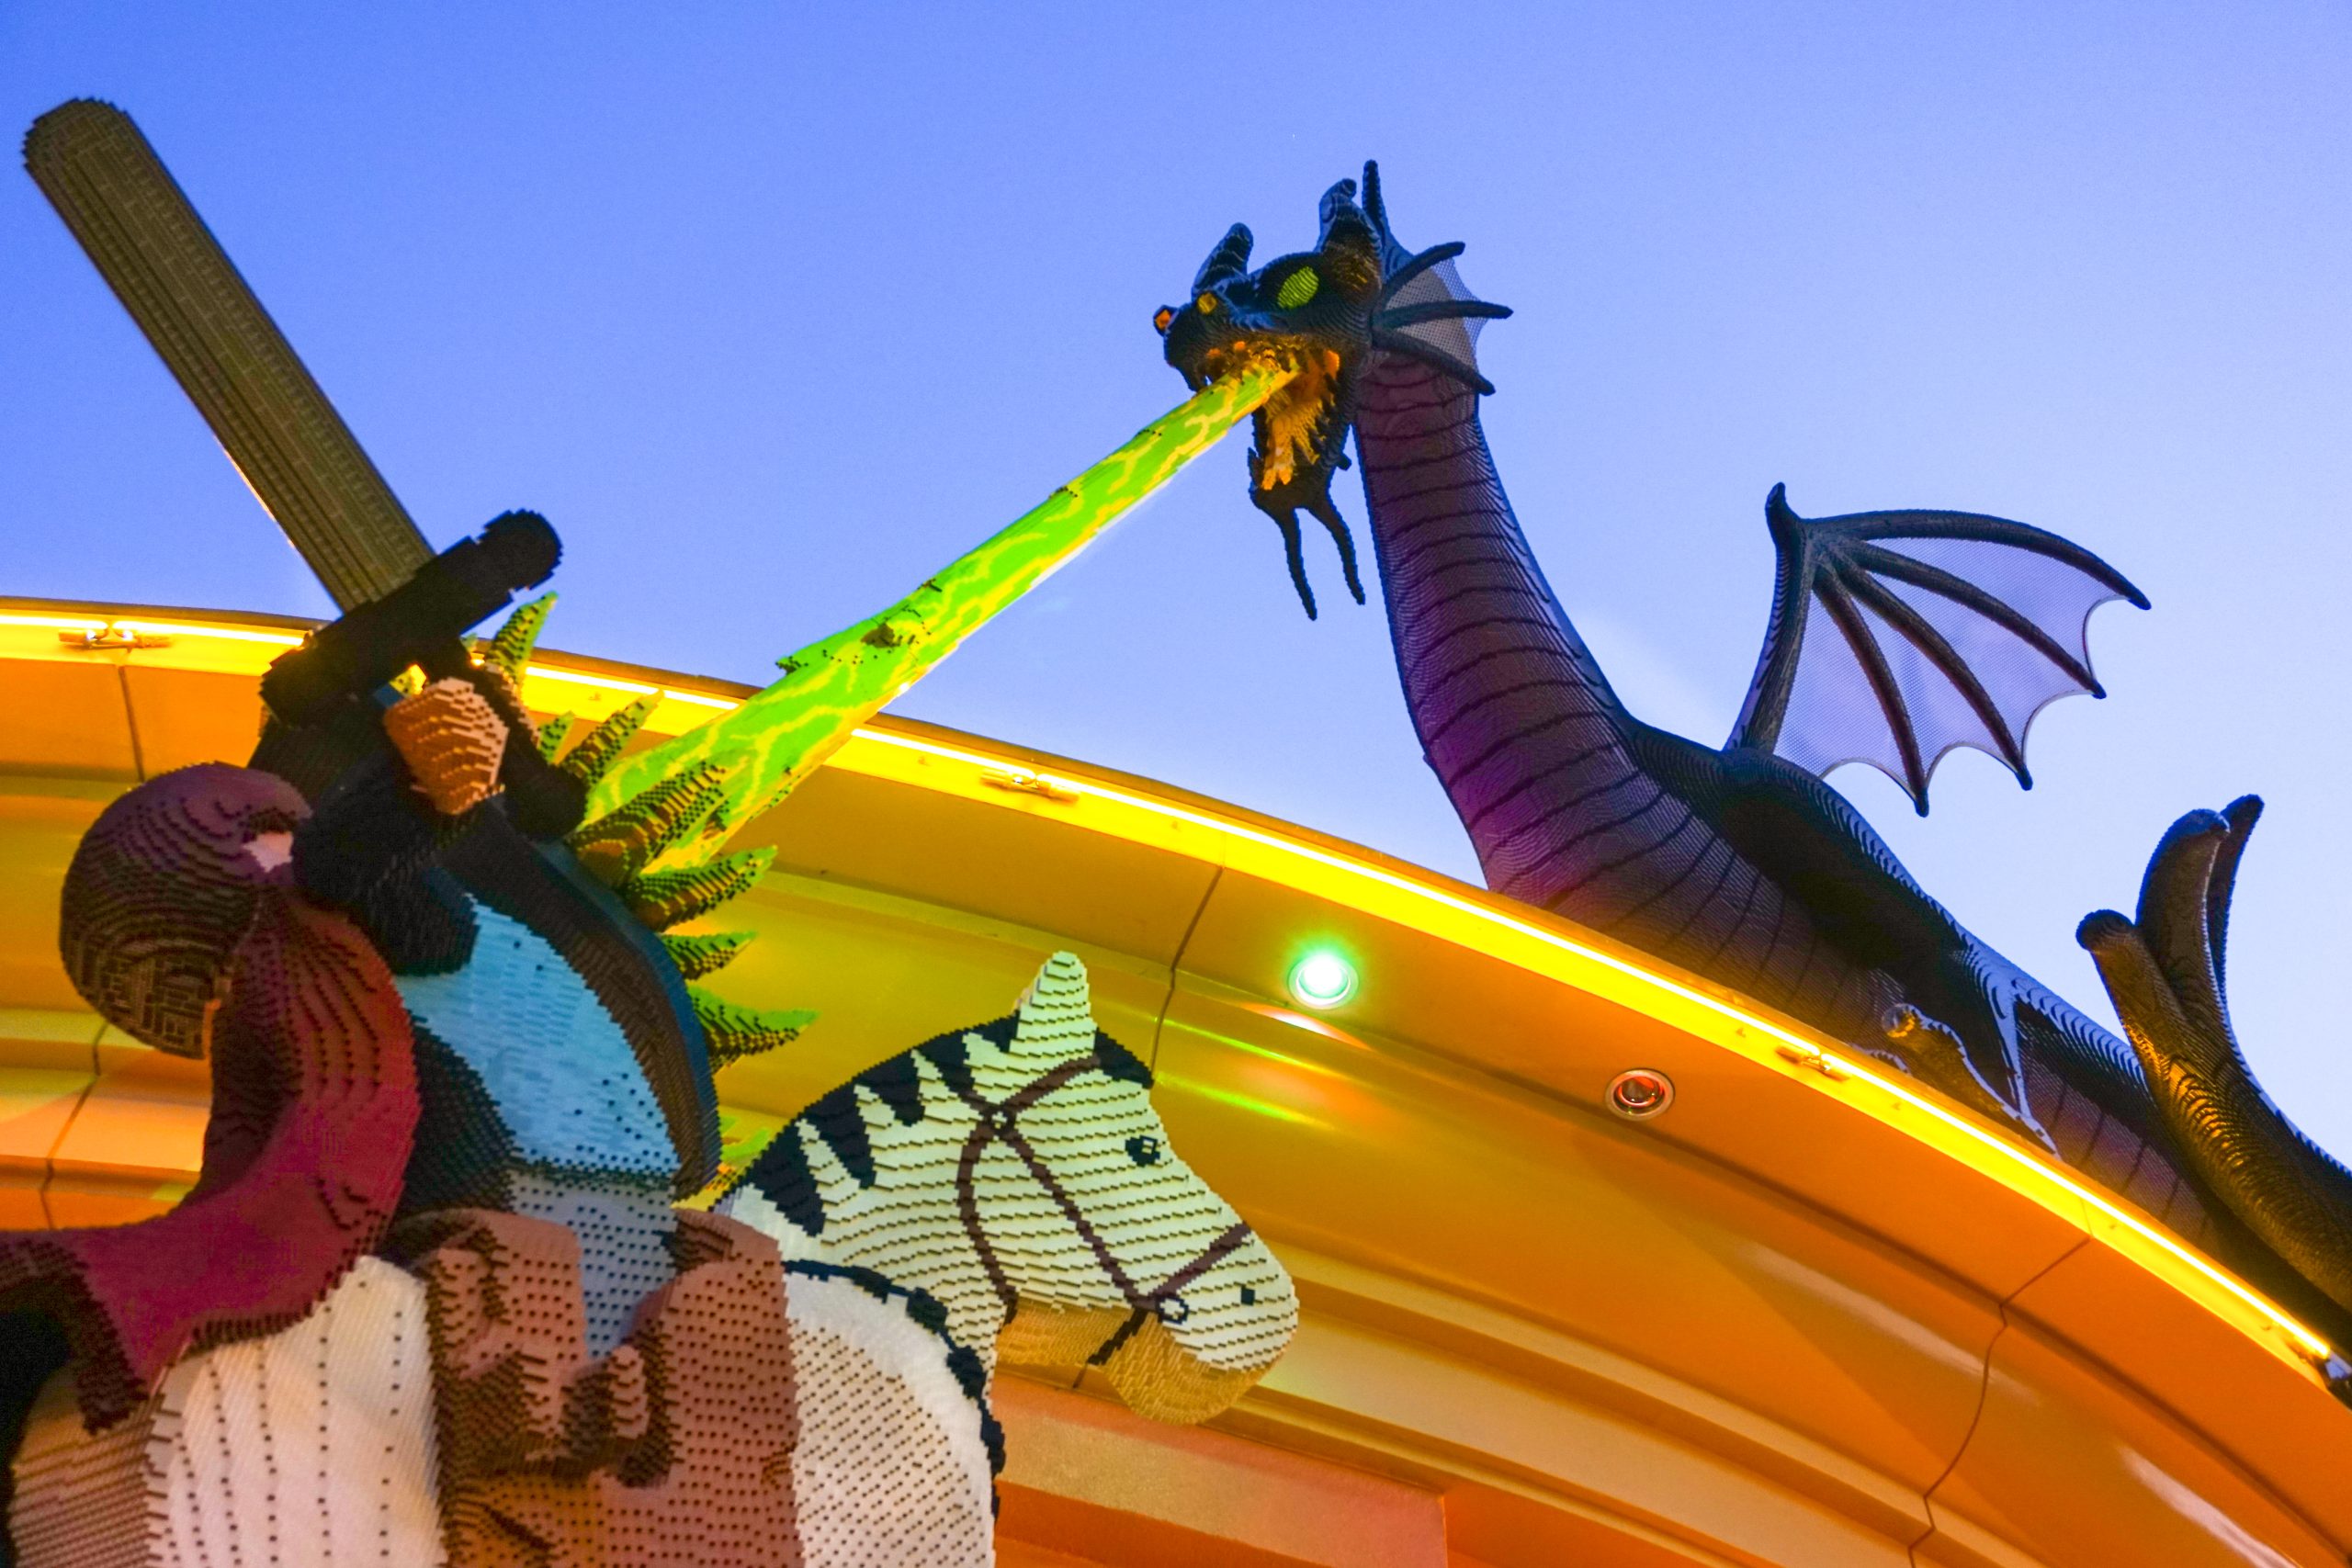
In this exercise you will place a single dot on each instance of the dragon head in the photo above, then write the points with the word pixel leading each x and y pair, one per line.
pixel 1320 313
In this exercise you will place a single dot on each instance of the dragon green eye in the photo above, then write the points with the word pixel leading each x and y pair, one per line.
pixel 1297 288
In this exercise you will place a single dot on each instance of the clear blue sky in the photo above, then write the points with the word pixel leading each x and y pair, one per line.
pixel 775 309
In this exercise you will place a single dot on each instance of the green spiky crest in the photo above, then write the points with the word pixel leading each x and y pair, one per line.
pixel 735 1032
pixel 623 842
pixel 705 952
pixel 672 813
pixel 592 758
pixel 510 647
pixel 666 898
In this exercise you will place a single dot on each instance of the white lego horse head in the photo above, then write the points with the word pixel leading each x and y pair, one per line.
pixel 1018 1173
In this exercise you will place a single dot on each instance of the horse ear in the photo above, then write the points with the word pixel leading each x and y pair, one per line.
pixel 1057 1010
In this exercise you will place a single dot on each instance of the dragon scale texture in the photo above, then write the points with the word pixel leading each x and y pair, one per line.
pixel 1577 807
pixel 1557 786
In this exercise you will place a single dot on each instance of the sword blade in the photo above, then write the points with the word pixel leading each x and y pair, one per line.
pixel 301 461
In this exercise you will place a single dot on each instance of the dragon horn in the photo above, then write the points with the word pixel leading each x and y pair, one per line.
pixel 1228 258
pixel 1375 211
pixel 1344 222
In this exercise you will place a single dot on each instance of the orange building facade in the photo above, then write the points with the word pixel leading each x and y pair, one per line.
pixel 1804 1314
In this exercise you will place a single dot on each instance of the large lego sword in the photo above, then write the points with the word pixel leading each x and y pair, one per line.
pixel 402 602
pixel 310 472
pixel 278 427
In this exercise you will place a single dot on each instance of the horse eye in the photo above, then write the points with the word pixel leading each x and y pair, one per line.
pixel 1144 1149
pixel 1297 288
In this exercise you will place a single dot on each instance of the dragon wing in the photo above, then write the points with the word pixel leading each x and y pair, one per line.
pixel 1899 636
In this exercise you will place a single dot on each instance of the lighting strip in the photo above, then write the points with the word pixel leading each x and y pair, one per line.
pixel 2016 1166
pixel 634 688
pixel 2012 1156
pixel 227 634
pixel 63 623
pixel 136 625
pixel 603 683
pixel 154 628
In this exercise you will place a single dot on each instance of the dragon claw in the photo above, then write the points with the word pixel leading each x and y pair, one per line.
pixel 1308 491
pixel 1287 522
pixel 1327 514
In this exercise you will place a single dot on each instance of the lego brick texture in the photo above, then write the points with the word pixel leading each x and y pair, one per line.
pixel 894 1463
pixel 314 1106
pixel 675 1448
pixel 1018 1173
pixel 452 741
pixel 314 1444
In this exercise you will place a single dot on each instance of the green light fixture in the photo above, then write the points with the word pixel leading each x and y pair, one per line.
pixel 1322 979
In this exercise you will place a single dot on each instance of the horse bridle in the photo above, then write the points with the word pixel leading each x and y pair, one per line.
pixel 1000 1123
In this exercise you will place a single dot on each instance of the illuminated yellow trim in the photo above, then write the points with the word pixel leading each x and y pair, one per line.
pixel 1425 906
pixel 539 671
pixel 226 634
pixel 63 623
pixel 1451 917
pixel 136 626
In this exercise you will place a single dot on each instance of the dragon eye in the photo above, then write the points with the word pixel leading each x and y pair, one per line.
pixel 1144 1149
pixel 1159 320
pixel 1206 304
pixel 1297 288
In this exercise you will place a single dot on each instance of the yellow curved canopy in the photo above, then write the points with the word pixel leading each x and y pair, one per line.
pixel 1806 1316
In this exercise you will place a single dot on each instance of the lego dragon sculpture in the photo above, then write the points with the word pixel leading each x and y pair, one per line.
pixel 1895 636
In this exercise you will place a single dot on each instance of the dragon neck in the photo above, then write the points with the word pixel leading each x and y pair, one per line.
pixel 1513 710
